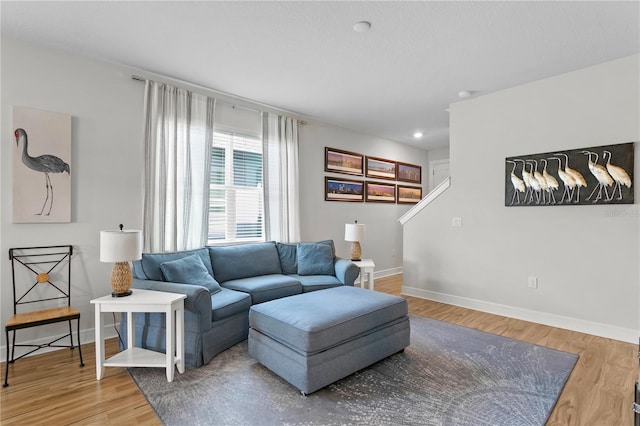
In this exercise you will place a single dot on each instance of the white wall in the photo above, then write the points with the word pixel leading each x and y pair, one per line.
pixel 106 106
pixel 437 157
pixel 106 174
pixel 585 257
pixel 326 219
pixel 437 154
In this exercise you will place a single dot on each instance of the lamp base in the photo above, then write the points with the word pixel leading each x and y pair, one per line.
pixel 121 279
pixel 356 251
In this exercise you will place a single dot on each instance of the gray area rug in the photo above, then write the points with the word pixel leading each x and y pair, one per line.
pixel 449 375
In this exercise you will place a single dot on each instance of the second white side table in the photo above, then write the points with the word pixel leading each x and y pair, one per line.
pixel 366 268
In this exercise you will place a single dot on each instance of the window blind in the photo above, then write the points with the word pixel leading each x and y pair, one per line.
pixel 236 204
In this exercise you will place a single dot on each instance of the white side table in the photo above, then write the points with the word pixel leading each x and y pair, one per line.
pixel 366 268
pixel 171 304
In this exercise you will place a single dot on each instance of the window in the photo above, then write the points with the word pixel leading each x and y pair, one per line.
pixel 236 205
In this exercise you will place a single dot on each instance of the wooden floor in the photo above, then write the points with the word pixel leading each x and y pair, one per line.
pixel 52 389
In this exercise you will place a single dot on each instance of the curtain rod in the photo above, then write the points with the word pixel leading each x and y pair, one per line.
pixel 240 98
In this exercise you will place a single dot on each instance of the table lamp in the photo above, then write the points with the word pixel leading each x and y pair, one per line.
pixel 354 232
pixel 120 247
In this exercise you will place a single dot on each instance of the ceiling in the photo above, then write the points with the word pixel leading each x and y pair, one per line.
pixel 397 78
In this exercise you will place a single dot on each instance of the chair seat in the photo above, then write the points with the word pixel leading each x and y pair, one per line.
pixel 41 317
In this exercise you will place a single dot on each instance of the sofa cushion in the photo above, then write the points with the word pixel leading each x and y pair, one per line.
pixel 226 303
pixel 330 244
pixel 266 287
pixel 317 282
pixel 288 258
pixel 150 262
pixel 245 260
pixel 189 270
pixel 315 259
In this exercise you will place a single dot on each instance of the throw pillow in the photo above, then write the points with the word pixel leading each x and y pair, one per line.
pixel 288 258
pixel 315 259
pixel 189 270
pixel 330 244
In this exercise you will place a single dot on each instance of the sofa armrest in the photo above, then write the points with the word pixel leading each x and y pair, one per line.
pixel 197 305
pixel 346 271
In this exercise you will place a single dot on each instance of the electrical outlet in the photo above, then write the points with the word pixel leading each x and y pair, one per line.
pixel 456 222
pixel 532 282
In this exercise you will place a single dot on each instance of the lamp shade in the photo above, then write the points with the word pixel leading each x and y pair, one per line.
pixel 354 232
pixel 120 246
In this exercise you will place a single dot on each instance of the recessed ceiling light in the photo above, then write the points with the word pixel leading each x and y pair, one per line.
pixel 417 135
pixel 362 26
pixel 464 94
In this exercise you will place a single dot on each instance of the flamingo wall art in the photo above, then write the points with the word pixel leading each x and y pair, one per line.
pixel 586 176
pixel 42 168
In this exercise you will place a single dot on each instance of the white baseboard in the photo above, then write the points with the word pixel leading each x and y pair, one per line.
pixel 388 272
pixel 383 273
pixel 583 326
pixel 86 336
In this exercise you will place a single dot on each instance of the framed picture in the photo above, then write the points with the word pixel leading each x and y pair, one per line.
pixel 42 172
pixel 409 194
pixel 380 192
pixel 409 172
pixel 380 168
pixel 584 176
pixel 336 189
pixel 339 161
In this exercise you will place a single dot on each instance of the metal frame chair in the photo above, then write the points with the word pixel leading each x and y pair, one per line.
pixel 42 262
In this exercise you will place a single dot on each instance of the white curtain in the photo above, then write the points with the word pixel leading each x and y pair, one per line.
pixel 282 204
pixel 177 133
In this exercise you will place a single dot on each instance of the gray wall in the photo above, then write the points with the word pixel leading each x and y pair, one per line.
pixel 107 156
pixel 106 173
pixel 585 257
pixel 439 154
pixel 326 219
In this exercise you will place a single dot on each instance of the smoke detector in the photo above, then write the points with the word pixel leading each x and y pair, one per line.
pixel 362 26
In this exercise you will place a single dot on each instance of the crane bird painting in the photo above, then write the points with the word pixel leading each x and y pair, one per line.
pixel 41 170
pixel 605 171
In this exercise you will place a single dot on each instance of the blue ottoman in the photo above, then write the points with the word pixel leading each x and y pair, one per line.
pixel 313 339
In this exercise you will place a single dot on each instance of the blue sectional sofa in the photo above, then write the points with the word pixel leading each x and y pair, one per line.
pixel 222 283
